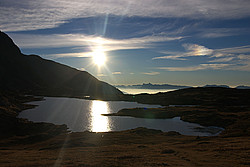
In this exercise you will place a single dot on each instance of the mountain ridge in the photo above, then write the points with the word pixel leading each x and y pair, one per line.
pixel 35 75
pixel 169 86
pixel 153 86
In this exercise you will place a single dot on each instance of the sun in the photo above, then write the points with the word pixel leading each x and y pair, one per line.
pixel 99 57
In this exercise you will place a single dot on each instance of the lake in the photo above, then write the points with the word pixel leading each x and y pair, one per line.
pixel 81 115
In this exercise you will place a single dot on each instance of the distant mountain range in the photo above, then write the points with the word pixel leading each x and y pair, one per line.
pixel 168 86
pixel 152 86
pixel 242 87
pixel 221 86
pixel 32 74
pixel 226 86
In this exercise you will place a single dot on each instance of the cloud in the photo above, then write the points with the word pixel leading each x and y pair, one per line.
pixel 219 54
pixel 239 56
pixel 191 50
pixel 76 40
pixel 221 32
pixel 151 73
pixel 42 14
pixel 227 59
pixel 196 68
pixel 244 63
pixel 80 54
pixel 171 55
pixel 235 50
pixel 86 42
pixel 244 57
pixel 101 75
pixel 234 58
pixel 197 50
pixel 117 73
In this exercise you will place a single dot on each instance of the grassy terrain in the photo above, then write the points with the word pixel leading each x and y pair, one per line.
pixel 24 143
pixel 138 147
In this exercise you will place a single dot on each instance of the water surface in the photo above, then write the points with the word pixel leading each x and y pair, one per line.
pixel 81 115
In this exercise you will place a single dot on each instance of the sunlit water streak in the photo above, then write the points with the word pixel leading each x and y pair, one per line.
pixel 99 123
pixel 81 115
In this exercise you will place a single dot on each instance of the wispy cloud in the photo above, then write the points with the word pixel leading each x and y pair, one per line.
pixel 235 50
pixel 244 57
pixel 101 75
pixel 171 55
pixel 86 42
pixel 226 59
pixel 191 50
pixel 80 54
pixel 76 40
pixel 221 32
pixel 219 54
pixel 196 68
pixel 244 63
pixel 234 58
pixel 117 73
pixel 151 73
pixel 41 14
pixel 238 56
pixel 197 50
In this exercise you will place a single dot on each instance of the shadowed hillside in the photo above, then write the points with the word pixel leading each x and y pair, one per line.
pixel 196 96
pixel 35 75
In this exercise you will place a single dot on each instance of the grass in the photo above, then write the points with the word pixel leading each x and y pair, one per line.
pixel 129 149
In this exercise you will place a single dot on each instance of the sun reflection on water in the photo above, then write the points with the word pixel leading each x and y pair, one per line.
pixel 99 123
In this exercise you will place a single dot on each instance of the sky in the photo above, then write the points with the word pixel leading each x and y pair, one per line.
pixel 181 42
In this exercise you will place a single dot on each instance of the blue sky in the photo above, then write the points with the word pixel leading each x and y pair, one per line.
pixel 185 42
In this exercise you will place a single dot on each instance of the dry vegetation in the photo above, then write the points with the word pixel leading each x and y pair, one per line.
pixel 139 147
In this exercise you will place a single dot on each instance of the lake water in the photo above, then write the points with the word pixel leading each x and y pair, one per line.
pixel 81 115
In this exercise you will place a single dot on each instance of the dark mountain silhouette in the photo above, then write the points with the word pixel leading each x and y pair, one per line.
pixel 242 87
pixel 213 96
pixel 216 86
pixel 32 74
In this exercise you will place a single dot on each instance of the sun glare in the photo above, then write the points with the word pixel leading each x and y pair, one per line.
pixel 99 57
pixel 99 123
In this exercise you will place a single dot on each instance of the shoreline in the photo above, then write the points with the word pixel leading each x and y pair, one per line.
pixel 11 125
pixel 191 114
pixel 154 115
pixel 187 113
pixel 203 115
